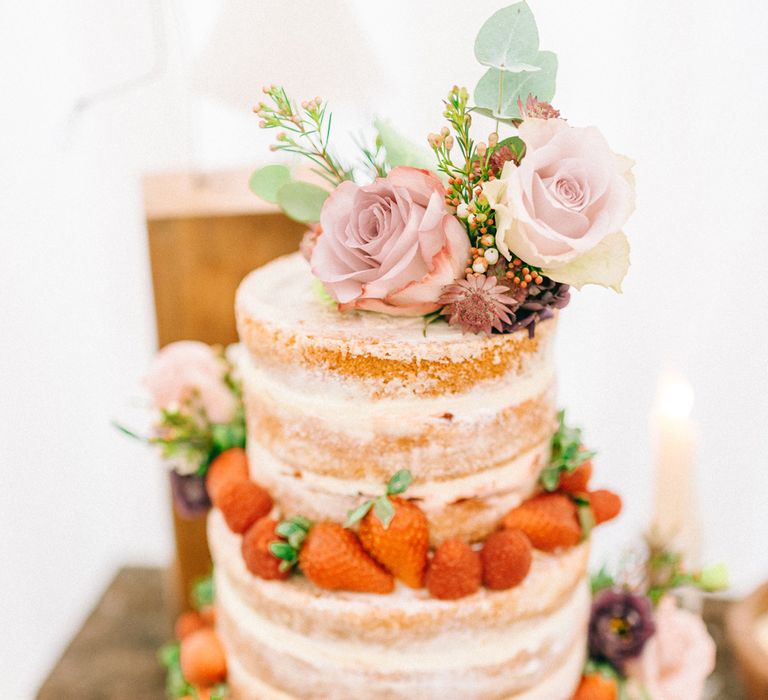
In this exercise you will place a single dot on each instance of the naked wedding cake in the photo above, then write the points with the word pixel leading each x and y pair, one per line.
pixel 400 509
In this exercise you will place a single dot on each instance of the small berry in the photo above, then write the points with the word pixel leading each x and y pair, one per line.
pixel 456 570
pixel 202 658
pixel 231 465
pixel 596 687
pixel 549 520
pixel 187 623
pixel 606 505
pixel 576 481
pixel 258 559
pixel 507 556
pixel 242 503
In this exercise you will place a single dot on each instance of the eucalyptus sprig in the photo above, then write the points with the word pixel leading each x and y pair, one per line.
pixel 666 572
pixel 382 506
pixel 568 453
pixel 306 131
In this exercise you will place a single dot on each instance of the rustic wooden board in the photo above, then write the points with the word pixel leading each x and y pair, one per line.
pixel 113 657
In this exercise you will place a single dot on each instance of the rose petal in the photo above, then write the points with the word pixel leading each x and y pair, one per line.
pixel 606 264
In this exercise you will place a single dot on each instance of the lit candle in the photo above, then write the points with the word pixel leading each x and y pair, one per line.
pixel 676 520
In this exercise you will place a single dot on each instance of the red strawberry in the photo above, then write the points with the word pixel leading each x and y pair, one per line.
pixel 507 556
pixel 332 557
pixel 242 503
pixel 576 481
pixel 606 505
pixel 455 571
pixel 208 615
pixel 549 520
pixel 596 687
pixel 202 658
pixel 187 623
pixel 402 545
pixel 258 558
pixel 230 465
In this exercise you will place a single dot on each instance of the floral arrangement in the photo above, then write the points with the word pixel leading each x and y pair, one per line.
pixel 491 233
pixel 642 642
pixel 198 414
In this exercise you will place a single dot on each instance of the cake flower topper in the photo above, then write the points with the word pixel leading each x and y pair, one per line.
pixel 491 234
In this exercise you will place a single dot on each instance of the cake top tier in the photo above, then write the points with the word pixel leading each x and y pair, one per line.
pixel 287 326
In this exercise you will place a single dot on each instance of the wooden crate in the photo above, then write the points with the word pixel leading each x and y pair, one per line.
pixel 206 232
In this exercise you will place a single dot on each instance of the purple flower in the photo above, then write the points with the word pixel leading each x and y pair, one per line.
pixel 620 625
pixel 189 495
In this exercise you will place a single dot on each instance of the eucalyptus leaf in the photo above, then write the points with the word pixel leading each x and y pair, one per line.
pixel 399 149
pixel 509 40
pixel 499 91
pixel 267 181
pixel 302 201
pixel 486 112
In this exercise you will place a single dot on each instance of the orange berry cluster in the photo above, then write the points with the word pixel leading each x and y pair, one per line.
pixel 521 275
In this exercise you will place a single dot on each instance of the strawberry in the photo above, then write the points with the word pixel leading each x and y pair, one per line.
pixel 187 623
pixel 242 503
pixel 455 571
pixel 594 686
pixel 549 520
pixel 208 615
pixel 257 555
pixel 332 557
pixel 230 465
pixel 606 505
pixel 576 481
pixel 507 557
pixel 395 532
pixel 202 658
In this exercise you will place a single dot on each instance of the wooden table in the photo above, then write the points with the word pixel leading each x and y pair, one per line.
pixel 113 657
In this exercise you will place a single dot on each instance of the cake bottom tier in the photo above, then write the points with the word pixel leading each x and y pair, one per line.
pixel 292 640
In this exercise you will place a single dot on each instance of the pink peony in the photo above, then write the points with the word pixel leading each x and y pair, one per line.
pixel 390 246
pixel 677 660
pixel 188 368
pixel 563 207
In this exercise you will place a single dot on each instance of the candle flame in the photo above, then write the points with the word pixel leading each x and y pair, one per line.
pixel 674 396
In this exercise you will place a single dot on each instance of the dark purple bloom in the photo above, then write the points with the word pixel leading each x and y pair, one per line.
pixel 620 625
pixel 190 497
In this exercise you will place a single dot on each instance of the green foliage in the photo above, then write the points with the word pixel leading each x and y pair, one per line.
pixel 499 91
pixel 399 150
pixel 267 181
pixel 568 454
pixel 295 531
pixel 601 580
pixel 667 572
pixel 176 686
pixel 202 593
pixel 586 516
pixel 382 506
pixel 515 144
pixel 509 39
pixel 322 294
pixel 302 201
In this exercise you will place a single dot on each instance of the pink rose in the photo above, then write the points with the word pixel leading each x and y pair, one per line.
pixel 390 246
pixel 188 368
pixel 563 207
pixel 677 660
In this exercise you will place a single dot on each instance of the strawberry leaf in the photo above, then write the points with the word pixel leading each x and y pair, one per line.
pixel 399 482
pixel 586 518
pixel 284 551
pixel 358 513
pixel 384 510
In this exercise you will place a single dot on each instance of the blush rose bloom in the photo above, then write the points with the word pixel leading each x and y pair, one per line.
pixel 390 246
pixel 187 368
pixel 563 207
pixel 676 661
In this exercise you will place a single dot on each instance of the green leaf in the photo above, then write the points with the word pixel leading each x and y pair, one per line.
pixel 486 112
pixel 714 578
pixel 586 519
pixel 358 513
pixel 399 482
pixel 399 149
pixel 267 181
pixel 302 201
pixel 601 580
pixel 511 86
pixel 283 550
pixel 384 510
pixel 322 294
pixel 550 478
pixel 202 592
pixel 509 39
pixel 515 144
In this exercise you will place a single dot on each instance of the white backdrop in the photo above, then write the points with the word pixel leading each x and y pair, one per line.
pixel 680 87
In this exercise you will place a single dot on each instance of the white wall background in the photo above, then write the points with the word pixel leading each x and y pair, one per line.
pixel 681 87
